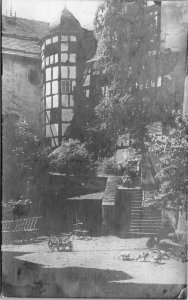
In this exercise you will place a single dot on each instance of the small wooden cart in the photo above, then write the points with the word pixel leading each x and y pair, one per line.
pixel 60 241
pixel 79 231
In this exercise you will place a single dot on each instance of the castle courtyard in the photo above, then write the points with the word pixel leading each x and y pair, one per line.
pixel 94 268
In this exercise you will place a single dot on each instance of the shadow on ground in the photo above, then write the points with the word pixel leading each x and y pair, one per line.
pixel 26 279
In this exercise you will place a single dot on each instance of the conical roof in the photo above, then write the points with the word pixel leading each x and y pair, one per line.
pixel 65 21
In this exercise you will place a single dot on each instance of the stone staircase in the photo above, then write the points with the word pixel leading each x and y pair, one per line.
pixel 143 222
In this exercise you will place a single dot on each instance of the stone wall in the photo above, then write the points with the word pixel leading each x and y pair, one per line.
pixel 21 92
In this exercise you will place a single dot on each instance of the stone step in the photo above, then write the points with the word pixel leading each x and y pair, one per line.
pixel 146 228
pixel 136 211
pixel 144 222
pixel 144 225
pixel 136 201
pixel 143 230
pixel 144 212
pixel 142 234
pixel 136 215
pixel 133 207
pixel 149 219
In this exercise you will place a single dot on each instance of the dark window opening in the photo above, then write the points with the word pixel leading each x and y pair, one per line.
pixel 33 76
pixel 51 49
pixel 54 116
pixel 72 47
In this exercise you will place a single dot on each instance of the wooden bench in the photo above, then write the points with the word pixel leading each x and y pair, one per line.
pixel 21 229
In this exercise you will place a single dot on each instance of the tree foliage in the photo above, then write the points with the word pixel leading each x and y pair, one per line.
pixel 108 166
pixel 72 158
pixel 127 36
pixel 172 149
pixel 23 156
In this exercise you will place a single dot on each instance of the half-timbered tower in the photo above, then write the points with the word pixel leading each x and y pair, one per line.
pixel 43 69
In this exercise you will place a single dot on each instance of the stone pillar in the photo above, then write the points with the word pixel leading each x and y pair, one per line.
pixel 181 230
pixel 107 219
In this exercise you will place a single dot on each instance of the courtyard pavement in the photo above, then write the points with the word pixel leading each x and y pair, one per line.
pixel 93 269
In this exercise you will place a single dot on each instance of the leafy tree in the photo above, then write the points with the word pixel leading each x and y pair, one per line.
pixel 23 156
pixel 72 158
pixel 127 36
pixel 107 166
pixel 172 150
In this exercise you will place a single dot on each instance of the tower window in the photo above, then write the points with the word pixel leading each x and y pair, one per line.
pixel 72 58
pixel 47 116
pixel 47 60
pixel 54 128
pixel 55 39
pixel 48 41
pixel 55 72
pixel 48 74
pixel 64 100
pixel 55 101
pixel 64 72
pixel 54 116
pixel 72 72
pixel 73 38
pixel 56 58
pixel 72 46
pixel 48 102
pixel 48 131
pixel 48 88
pixel 65 86
pixel 51 59
pixel 64 57
pixel 64 38
pixel 54 142
pixel 43 46
pixel 54 87
pixel 64 47
pixel 71 100
pixel 73 85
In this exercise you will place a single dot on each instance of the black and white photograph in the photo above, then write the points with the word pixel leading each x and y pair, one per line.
pixel 94 149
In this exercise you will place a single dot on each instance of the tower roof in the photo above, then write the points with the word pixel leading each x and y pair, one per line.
pixel 65 21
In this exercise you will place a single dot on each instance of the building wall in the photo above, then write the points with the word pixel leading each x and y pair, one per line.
pixel 21 91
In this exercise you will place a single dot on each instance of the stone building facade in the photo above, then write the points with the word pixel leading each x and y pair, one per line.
pixel 48 68
pixel 43 68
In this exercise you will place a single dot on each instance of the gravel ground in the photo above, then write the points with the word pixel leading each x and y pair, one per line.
pixel 93 269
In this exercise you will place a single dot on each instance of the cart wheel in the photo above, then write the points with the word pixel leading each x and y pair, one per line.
pixel 51 246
